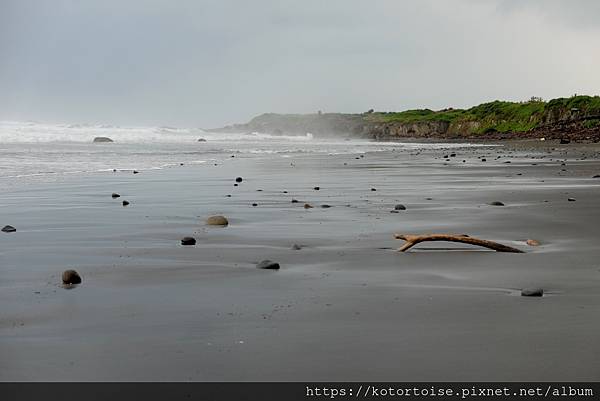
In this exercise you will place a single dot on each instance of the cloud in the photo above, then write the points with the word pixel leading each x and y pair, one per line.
pixel 208 63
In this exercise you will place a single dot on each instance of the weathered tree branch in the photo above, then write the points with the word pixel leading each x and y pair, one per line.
pixel 412 240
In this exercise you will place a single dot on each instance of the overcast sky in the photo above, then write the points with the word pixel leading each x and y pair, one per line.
pixel 209 63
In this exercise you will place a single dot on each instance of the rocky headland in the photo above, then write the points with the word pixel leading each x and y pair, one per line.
pixel 575 118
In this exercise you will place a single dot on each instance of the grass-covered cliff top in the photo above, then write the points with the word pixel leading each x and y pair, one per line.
pixel 499 115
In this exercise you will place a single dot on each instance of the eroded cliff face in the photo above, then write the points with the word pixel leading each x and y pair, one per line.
pixel 425 129
pixel 555 124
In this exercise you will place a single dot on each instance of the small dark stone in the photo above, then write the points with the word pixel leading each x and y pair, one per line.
pixel 125 203
pixel 239 179
pixel 201 140
pixel 268 264
pixel 295 201
pixel 188 241
pixel 571 199
pixel 483 160
pixel 8 229
pixel 102 139
pixel 296 247
pixel 285 192
pixel 399 207
pixel 71 277
pixel 496 203
pixel 453 155
pixel 596 176
pixel 373 189
pixel 316 188
pixel 235 185
pixel 255 204
pixel 325 206
pixel 229 196
pixel 135 172
pixel 532 292
pixel 115 195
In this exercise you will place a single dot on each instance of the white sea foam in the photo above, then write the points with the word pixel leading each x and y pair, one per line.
pixel 30 149
pixel 32 132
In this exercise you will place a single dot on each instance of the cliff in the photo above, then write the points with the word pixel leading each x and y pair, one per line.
pixel 577 117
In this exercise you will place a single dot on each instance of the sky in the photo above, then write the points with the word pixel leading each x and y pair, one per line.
pixel 205 63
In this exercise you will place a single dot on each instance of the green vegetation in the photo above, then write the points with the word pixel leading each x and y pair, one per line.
pixel 593 123
pixel 500 116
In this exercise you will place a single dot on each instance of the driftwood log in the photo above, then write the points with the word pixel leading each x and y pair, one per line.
pixel 412 240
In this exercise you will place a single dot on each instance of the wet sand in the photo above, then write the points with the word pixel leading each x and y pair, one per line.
pixel 344 307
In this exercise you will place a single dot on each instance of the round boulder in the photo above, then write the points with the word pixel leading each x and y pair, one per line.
pixel 268 264
pixel 217 221
pixel 125 203
pixel 71 277
pixel 115 195
pixel 239 179
pixel 399 207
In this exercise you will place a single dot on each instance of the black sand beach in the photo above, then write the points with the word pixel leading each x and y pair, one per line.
pixel 345 306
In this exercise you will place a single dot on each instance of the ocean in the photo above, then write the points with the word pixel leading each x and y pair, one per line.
pixel 32 150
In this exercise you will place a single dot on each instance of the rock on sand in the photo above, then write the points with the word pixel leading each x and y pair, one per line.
pixel 102 139
pixel 71 277
pixel 268 264
pixel 532 292
pixel 217 221
pixel 8 229
pixel 188 241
